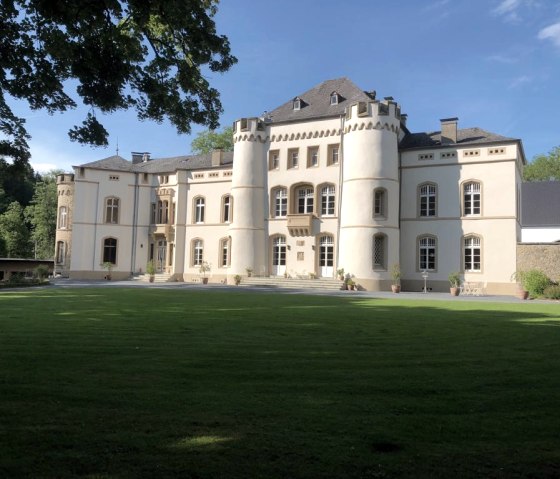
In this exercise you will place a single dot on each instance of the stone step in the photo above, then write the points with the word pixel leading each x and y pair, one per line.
pixel 293 283
pixel 158 278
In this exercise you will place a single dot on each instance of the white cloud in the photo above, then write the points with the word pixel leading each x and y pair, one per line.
pixel 520 81
pixel 552 33
pixel 510 10
pixel 502 59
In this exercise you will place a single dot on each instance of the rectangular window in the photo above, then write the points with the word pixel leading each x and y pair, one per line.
pixel 274 160
pixel 333 155
pixel 313 157
pixel 293 158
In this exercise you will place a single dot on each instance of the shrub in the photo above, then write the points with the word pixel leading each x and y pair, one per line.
pixel 535 281
pixel 41 271
pixel 552 292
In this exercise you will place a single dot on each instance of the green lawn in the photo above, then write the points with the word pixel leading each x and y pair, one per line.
pixel 119 383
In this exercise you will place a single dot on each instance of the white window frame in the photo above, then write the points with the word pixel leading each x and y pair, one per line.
pixel 427 248
pixel 472 248
pixel 427 200
pixel 328 198
pixel 199 209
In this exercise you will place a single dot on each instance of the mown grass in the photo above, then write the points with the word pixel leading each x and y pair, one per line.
pixel 124 383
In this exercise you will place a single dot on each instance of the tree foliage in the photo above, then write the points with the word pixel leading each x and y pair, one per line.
pixel 41 215
pixel 14 232
pixel 544 167
pixel 209 140
pixel 146 55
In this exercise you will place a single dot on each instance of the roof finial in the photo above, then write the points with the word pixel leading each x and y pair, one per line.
pixel 117 146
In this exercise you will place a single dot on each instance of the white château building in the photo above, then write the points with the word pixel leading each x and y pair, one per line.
pixel 331 179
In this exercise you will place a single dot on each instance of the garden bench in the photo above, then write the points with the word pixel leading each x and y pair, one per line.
pixel 469 288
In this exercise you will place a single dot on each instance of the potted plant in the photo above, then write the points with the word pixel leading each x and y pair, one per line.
pixel 109 267
pixel 151 270
pixel 340 274
pixel 520 277
pixel 396 275
pixel 454 283
pixel 203 269
pixel 237 279
pixel 249 271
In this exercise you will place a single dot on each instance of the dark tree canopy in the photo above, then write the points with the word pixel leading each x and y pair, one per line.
pixel 544 167
pixel 209 140
pixel 146 55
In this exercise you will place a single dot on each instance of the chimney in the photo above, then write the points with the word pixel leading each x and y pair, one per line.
pixel 449 131
pixel 217 157
pixel 140 157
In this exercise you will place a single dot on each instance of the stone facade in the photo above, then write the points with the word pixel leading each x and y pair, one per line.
pixel 545 257
pixel 331 179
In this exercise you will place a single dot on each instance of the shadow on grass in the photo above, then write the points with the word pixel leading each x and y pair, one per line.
pixel 184 383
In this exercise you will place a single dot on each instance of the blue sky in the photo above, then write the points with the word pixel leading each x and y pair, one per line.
pixel 494 64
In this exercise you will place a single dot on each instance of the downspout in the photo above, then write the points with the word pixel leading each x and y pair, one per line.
pixel 340 182
pixel 95 228
pixel 134 225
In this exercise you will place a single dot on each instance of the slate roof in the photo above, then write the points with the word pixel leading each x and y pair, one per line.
pixel 540 203
pixel 465 136
pixel 160 165
pixel 316 102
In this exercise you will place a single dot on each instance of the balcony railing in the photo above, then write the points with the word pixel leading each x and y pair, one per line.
pixel 300 224
pixel 162 230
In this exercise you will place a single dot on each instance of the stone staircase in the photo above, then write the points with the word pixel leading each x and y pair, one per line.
pixel 292 283
pixel 158 278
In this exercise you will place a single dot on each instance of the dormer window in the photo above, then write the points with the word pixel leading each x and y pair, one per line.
pixel 334 98
pixel 297 104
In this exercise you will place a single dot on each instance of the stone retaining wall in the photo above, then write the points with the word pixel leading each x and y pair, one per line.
pixel 543 256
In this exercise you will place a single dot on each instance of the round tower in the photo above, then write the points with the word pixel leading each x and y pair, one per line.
pixel 249 183
pixel 369 217
pixel 64 215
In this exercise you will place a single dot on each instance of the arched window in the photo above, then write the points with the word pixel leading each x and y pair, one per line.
pixel 280 203
pixel 327 200
pixel 110 250
pixel 427 253
pixel 471 198
pixel 379 251
pixel 198 252
pixel 380 203
pixel 305 200
pixel 60 252
pixel 224 252
pixel 62 217
pixel 472 253
pixel 428 199
pixel 199 205
pixel 226 209
pixel 112 210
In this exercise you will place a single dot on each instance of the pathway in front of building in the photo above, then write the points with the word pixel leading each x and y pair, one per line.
pixel 69 283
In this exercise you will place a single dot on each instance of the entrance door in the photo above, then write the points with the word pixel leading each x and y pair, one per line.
pixel 279 256
pixel 326 256
pixel 161 254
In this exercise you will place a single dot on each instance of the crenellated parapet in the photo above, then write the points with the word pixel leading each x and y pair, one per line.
pixel 373 115
pixel 250 129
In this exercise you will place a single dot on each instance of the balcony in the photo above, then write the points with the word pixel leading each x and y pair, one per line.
pixel 300 224
pixel 163 230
